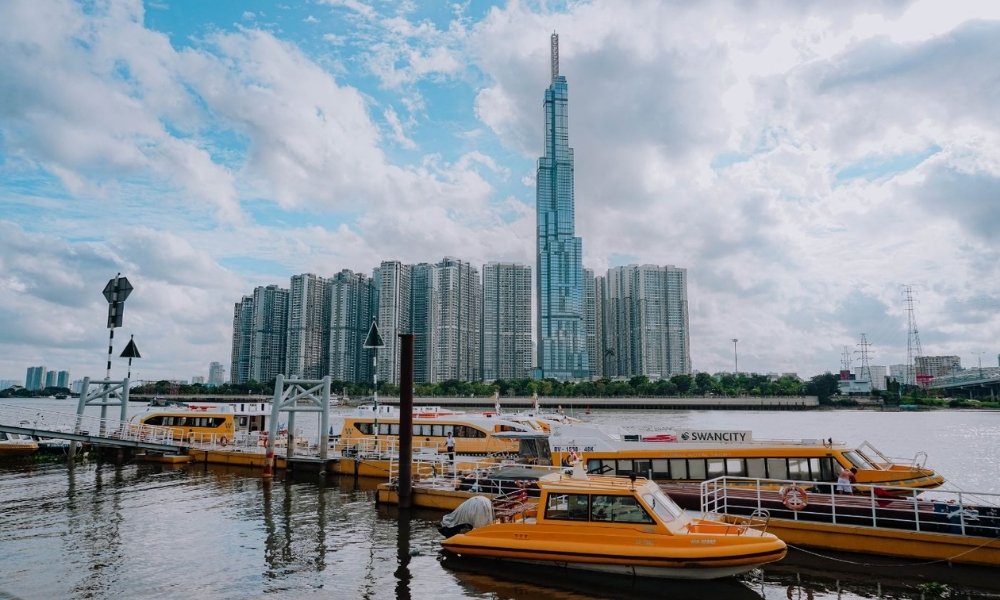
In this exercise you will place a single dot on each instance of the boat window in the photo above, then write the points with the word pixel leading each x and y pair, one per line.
pixel 678 468
pixel 716 467
pixel 568 507
pixel 449 429
pixel 643 468
pixel 383 429
pixel 735 467
pixel 696 468
pixel 777 468
pixel 662 505
pixel 798 469
pixel 437 430
pixel 619 509
pixel 661 468
pixel 425 430
pixel 755 468
pixel 394 428
pixel 821 469
pixel 242 422
pixel 625 467
pixel 154 420
pixel 858 460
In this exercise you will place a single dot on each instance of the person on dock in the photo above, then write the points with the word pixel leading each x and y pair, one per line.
pixel 449 446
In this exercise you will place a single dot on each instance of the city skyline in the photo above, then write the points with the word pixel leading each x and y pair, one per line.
pixel 802 163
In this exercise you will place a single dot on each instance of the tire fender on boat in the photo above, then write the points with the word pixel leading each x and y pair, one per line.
pixel 794 497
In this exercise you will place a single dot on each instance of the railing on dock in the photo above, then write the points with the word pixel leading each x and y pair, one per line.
pixel 57 425
pixel 938 511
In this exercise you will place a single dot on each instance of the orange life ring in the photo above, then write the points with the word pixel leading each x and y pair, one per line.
pixel 224 441
pixel 794 497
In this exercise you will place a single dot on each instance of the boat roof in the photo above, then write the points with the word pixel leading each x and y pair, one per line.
pixel 593 483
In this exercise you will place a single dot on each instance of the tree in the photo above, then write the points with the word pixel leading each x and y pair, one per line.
pixel 824 387
pixel 683 382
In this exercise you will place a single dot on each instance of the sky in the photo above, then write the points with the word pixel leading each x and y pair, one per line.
pixel 804 161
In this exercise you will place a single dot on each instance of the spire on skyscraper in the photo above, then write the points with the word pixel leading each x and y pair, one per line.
pixel 555 55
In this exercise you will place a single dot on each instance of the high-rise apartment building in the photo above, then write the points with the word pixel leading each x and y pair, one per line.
pixel 592 325
pixel 268 337
pixel 62 379
pixel 506 346
pixel 562 343
pixel 352 306
pixel 239 369
pixel 308 327
pixel 458 321
pixel 51 379
pixel 34 378
pixel 392 284
pixel 424 301
pixel 646 321
pixel 938 366
pixel 216 373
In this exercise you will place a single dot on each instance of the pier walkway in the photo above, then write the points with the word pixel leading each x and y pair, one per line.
pixel 88 429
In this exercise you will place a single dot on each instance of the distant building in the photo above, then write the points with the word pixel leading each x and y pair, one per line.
pixel 198 379
pixel 898 373
pixel 446 320
pixel 646 322
pixel 216 373
pixel 352 306
pixel 239 371
pixel 268 338
pixel 34 379
pixel 51 379
pixel 559 285
pixel 938 366
pixel 8 383
pixel 592 324
pixel 392 285
pixel 506 346
pixel 62 379
pixel 308 327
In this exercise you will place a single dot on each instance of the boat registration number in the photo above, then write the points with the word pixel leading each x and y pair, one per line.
pixel 708 541
pixel 572 448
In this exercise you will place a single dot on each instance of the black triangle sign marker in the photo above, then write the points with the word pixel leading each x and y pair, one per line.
pixel 374 339
pixel 131 351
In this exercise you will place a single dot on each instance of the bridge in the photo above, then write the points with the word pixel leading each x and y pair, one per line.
pixel 976 382
pixel 88 429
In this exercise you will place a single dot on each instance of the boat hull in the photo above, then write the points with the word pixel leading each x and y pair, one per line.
pixel 680 572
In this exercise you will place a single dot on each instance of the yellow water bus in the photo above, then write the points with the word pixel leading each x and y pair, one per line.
pixel 219 424
pixel 474 433
pixel 611 525
pixel 698 455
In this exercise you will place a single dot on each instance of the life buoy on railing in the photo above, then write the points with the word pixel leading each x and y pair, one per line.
pixel 794 497
pixel 223 441
pixel 263 439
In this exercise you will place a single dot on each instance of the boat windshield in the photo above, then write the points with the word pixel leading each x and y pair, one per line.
pixel 662 505
pixel 859 460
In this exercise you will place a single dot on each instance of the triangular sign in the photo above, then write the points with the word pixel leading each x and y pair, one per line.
pixel 374 339
pixel 131 351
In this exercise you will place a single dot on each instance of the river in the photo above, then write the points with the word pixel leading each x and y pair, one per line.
pixel 100 530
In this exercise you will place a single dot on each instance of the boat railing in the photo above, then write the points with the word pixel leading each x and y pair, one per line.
pixel 56 422
pixel 939 511
pixel 514 506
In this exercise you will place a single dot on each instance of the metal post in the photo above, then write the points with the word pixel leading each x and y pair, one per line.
pixel 375 392
pixel 736 361
pixel 405 486
pixel 324 423
pixel 272 426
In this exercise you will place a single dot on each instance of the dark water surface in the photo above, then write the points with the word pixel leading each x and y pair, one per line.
pixel 98 530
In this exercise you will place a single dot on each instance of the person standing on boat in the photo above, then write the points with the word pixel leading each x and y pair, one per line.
pixel 845 479
pixel 449 445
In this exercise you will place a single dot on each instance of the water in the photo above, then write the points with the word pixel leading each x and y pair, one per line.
pixel 154 531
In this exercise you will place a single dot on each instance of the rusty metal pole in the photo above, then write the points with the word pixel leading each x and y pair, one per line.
pixel 405 419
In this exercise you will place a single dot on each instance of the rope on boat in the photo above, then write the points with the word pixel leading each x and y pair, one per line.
pixel 907 564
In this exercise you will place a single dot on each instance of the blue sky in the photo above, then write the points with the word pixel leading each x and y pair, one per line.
pixel 802 161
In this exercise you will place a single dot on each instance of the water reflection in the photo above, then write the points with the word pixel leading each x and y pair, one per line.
pixel 403 556
pixel 511 581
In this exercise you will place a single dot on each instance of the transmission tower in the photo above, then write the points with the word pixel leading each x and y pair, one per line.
pixel 866 369
pixel 913 350
pixel 845 360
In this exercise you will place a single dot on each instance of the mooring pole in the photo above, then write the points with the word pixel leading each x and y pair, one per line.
pixel 405 419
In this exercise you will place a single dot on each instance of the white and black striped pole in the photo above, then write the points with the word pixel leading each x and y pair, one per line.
pixel 116 291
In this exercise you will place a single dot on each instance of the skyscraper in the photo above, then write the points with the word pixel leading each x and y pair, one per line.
pixel 392 283
pixel 562 343
pixel 62 380
pixel 216 373
pixel 646 325
pixel 308 327
pixel 34 378
pixel 239 371
pixel 446 320
pixel 352 304
pixel 506 347
pixel 268 338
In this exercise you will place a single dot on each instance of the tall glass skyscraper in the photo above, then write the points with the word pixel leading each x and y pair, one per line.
pixel 562 337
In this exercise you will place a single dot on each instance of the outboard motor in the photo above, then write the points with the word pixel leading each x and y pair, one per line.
pixel 474 512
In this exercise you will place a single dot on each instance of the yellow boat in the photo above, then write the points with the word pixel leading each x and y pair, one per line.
pixel 242 424
pixel 14 444
pixel 611 525
pixel 698 455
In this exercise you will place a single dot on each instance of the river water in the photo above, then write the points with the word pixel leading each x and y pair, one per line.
pixel 100 530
